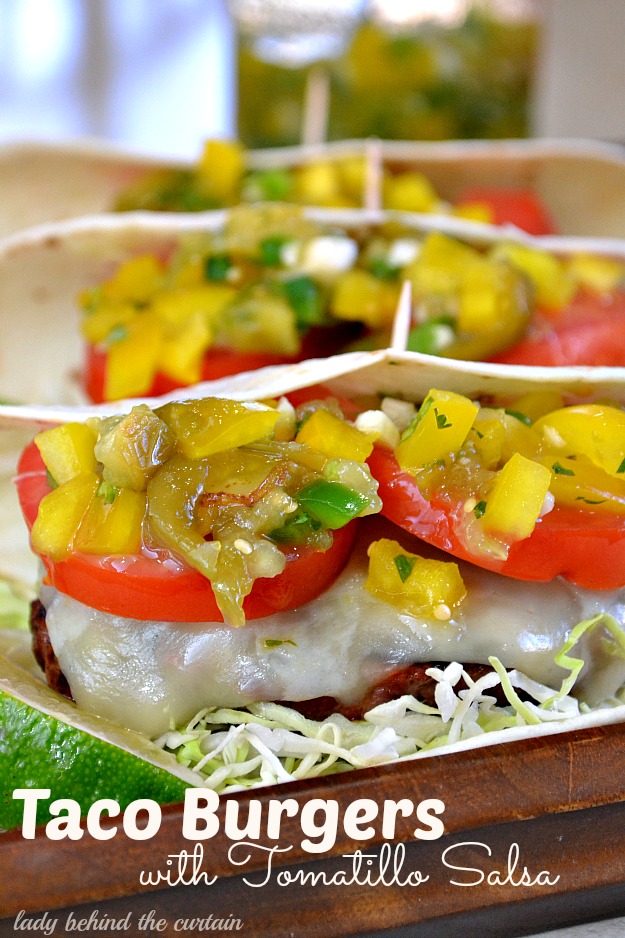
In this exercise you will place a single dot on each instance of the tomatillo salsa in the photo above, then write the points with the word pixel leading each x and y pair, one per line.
pixel 532 491
pixel 204 510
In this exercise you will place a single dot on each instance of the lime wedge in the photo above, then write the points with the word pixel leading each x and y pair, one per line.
pixel 47 742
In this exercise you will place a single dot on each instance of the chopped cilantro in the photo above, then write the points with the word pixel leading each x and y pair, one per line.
pixel 404 566
pixel 562 470
pixel 519 416
pixel 52 483
pixel 416 420
pixel 621 468
pixel 441 420
pixel 276 642
pixel 590 501
pixel 479 509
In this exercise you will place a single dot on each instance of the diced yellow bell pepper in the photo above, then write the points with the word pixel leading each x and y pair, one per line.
pixel 416 585
pixel 440 264
pixel 60 514
pixel 553 282
pixel 67 451
pixel 182 354
pixel 409 192
pixel 97 326
pixel 353 176
pixel 358 296
pixel 593 430
pixel 220 169
pixel 488 440
pixel 135 281
pixel 474 211
pixel 602 274
pixel 516 499
pixel 519 438
pixel 112 525
pixel 132 361
pixel 479 308
pixel 189 273
pixel 212 425
pixel 440 428
pixel 175 307
pixel 328 434
pixel 318 184
pixel 536 404
pixel 578 483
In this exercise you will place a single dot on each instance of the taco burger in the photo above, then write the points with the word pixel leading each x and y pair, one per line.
pixel 207 560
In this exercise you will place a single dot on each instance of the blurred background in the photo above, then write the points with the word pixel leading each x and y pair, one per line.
pixel 160 76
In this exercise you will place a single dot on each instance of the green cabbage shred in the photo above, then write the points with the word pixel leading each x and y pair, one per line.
pixel 265 743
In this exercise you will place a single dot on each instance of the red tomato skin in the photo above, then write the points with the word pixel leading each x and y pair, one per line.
pixel 319 342
pixel 586 548
pixel 590 331
pixel 147 588
pixel 518 207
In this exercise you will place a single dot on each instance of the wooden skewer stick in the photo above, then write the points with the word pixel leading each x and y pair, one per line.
pixel 373 176
pixel 403 319
pixel 316 106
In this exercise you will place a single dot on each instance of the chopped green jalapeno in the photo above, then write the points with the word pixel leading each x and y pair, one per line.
pixel 431 338
pixel 271 250
pixel 107 492
pixel 382 268
pixel 305 299
pixel 296 530
pixel 217 267
pixel 331 503
pixel 271 185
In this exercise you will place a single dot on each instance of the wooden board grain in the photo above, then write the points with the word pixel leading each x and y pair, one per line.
pixel 559 799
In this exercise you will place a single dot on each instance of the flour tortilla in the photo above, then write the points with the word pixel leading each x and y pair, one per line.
pixel 43 270
pixel 582 183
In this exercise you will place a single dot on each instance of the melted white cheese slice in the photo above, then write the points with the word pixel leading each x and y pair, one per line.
pixel 150 675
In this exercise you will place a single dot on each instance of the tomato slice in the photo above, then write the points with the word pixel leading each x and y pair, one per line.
pixel 519 207
pixel 585 547
pixel 589 331
pixel 156 585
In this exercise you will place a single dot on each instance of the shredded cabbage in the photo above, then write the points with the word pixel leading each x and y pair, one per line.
pixel 267 743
